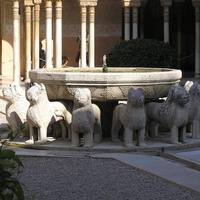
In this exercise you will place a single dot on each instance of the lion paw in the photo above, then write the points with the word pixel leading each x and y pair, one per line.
pixel 29 142
pixel 142 145
pixel 131 145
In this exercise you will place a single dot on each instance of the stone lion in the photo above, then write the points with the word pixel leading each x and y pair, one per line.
pixel 16 107
pixel 172 113
pixel 193 107
pixel 132 117
pixel 42 113
pixel 86 119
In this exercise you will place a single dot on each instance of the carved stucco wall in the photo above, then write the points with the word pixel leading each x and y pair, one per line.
pixel 7 20
pixel 108 18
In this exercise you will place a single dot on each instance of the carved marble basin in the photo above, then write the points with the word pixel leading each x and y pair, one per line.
pixel 110 86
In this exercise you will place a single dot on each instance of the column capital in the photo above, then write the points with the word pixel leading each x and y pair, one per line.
pixel 37 1
pixel 131 3
pixel 166 3
pixel 88 2
pixel 28 3
pixel 196 3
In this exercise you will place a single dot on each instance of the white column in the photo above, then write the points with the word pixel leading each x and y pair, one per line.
pixel 196 4
pixel 135 19
pixel 49 34
pixel 33 37
pixel 179 35
pixel 36 33
pixel 127 23
pixel 83 35
pixel 91 38
pixel 166 4
pixel 58 34
pixel 16 42
pixel 28 20
pixel 126 4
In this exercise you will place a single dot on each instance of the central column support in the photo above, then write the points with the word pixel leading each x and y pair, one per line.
pixel 166 4
pixel 196 4
pixel 16 41
pixel 36 32
pixel 58 34
pixel 48 33
pixel 91 4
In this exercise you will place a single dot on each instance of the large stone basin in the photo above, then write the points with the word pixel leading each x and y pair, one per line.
pixel 110 86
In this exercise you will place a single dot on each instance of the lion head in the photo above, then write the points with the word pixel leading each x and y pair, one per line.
pixel 82 97
pixel 178 94
pixel 136 97
pixel 36 92
pixel 13 92
pixel 195 89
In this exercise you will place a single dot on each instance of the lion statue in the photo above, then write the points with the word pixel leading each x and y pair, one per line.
pixel 43 113
pixel 193 107
pixel 132 117
pixel 172 113
pixel 86 119
pixel 16 107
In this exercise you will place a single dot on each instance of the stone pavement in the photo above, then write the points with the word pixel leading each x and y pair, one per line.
pixel 179 164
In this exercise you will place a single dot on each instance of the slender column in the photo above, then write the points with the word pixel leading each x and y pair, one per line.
pixel 16 42
pixel 135 4
pixel 28 38
pixel 36 32
pixel 135 23
pixel 196 4
pixel 91 38
pixel 126 5
pixel 83 35
pixel 33 37
pixel 166 4
pixel 48 34
pixel 126 23
pixel 179 35
pixel 58 34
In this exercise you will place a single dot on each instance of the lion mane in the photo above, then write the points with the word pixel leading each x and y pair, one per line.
pixel 172 112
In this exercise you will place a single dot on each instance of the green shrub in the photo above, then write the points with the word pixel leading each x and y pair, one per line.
pixel 10 170
pixel 142 53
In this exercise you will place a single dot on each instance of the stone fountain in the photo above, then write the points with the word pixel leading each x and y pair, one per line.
pixel 106 88
pixel 110 86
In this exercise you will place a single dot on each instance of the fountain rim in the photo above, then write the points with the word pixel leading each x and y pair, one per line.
pixel 65 74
